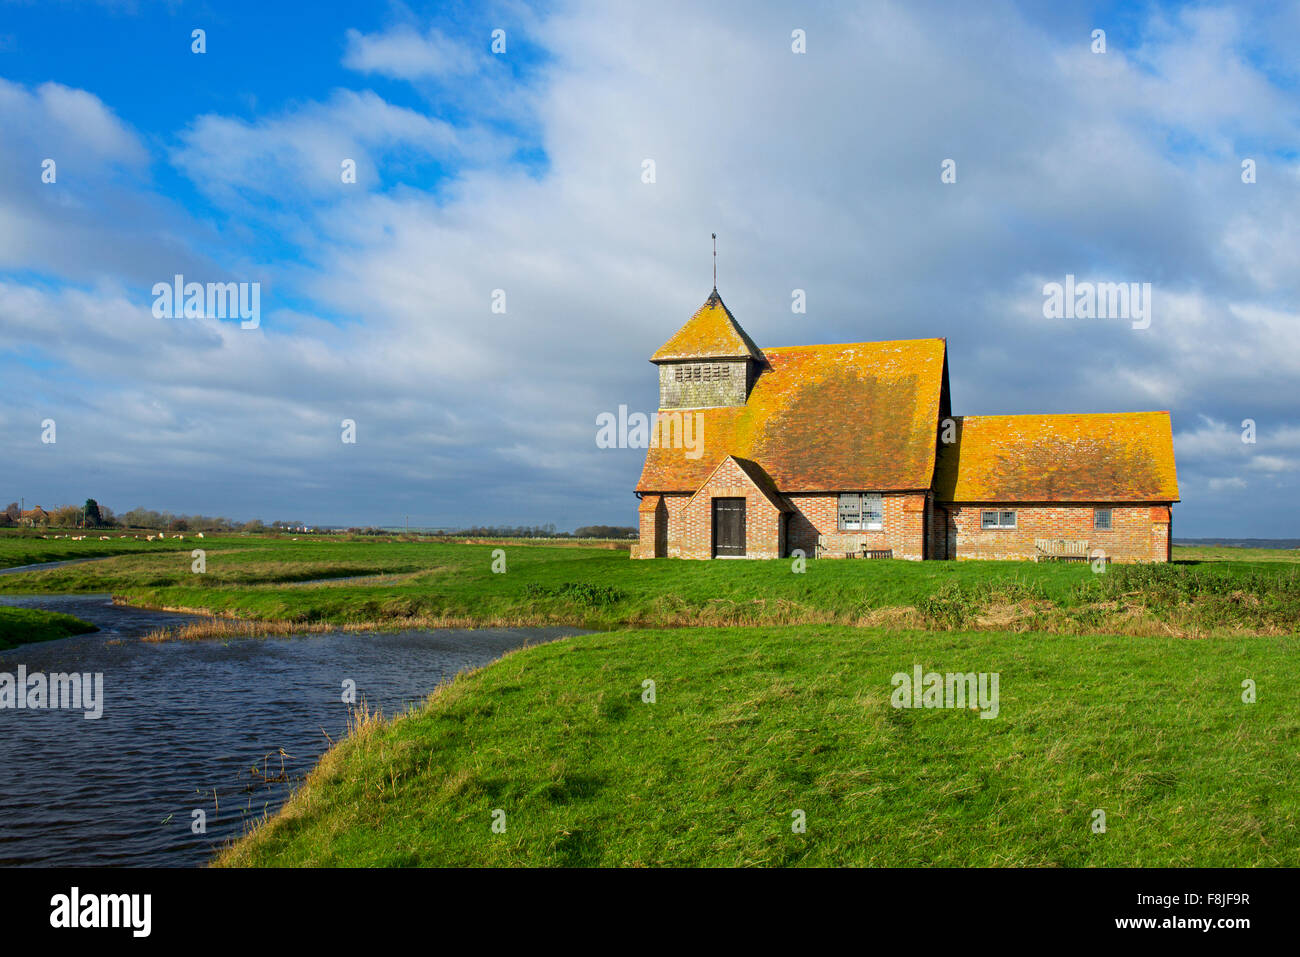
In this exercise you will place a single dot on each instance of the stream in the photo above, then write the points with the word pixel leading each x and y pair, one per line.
pixel 223 727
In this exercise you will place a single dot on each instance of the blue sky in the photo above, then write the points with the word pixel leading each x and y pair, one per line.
pixel 521 171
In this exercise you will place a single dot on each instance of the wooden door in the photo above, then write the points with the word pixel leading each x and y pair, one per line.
pixel 661 530
pixel 728 527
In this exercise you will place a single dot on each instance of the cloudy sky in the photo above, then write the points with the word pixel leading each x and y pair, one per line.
pixel 524 171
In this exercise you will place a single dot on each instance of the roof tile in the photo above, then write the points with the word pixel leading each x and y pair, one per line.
pixel 1104 457
pixel 712 333
pixel 858 416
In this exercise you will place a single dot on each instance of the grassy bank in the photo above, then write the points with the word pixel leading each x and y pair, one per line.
pixel 431 584
pixel 29 548
pixel 1230 553
pixel 785 708
pixel 752 724
pixel 19 626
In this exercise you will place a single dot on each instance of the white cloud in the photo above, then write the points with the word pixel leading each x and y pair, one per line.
pixel 66 123
pixel 404 53
pixel 300 153
pixel 818 171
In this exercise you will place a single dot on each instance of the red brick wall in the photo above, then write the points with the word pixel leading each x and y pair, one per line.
pixel 674 505
pixel 818 514
pixel 1162 533
pixel 1137 534
pixel 653 517
pixel 695 518
pixel 665 516
pixel 690 531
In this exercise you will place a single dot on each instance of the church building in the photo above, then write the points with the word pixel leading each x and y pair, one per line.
pixel 852 450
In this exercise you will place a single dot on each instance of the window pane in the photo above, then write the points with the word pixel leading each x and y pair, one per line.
pixel 1101 518
pixel 873 511
pixel 1008 519
pixel 850 510
pixel 989 519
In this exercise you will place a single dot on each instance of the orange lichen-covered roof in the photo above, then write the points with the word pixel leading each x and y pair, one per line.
pixel 860 416
pixel 1109 457
pixel 763 482
pixel 712 333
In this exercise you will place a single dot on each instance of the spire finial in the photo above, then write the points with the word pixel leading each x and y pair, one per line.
pixel 715 262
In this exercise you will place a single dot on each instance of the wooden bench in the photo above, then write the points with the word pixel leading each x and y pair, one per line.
pixel 1060 550
pixel 865 552
pixel 860 551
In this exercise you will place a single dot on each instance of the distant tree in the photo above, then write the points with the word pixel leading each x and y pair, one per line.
pixel 13 511
pixel 606 531
pixel 142 518
pixel 91 514
pixel 67 516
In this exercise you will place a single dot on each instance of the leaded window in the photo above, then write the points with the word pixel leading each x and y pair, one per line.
pixel 997 519
pixel 863 511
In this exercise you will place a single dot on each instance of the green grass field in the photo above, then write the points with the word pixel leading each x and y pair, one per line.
pixel 19 626
pixel 392 583
pixel 752 724
pixel 28 548
pixel 1120 691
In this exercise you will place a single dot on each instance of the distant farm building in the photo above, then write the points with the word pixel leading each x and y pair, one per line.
pixel 34 516
pixel 852 451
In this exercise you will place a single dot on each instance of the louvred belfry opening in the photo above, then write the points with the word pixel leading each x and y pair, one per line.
pixel 710 363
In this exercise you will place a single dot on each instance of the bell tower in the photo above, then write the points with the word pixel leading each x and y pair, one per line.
pixel 710 363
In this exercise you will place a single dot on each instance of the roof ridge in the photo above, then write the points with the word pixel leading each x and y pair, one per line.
pixel 1041 415
pixel 869 342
